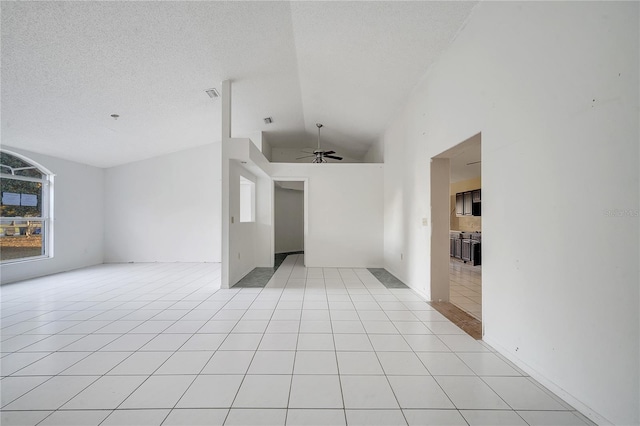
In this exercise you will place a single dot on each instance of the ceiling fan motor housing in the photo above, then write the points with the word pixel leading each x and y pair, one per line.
pixel 319 154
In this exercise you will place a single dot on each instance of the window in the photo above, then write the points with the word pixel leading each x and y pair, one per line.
pixel 25 219
pixel 247 200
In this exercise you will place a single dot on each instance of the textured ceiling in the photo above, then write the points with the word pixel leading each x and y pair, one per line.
pixel 67 66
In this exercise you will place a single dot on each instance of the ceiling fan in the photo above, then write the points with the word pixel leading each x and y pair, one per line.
pixel 320 155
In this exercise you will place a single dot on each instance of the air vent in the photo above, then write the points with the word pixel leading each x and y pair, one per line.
pixel 213 93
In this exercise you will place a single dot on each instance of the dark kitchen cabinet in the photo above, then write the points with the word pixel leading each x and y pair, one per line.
pixel 466 250
pixel 466 247
pixel 476 253
pixel 476 209
pixel 471 252
pixel 467 203
pixel 457 249
pixel 459 204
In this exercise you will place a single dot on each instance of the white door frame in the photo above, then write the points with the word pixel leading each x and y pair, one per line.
pixel 305 180
pixel 440 216
pixel 440 177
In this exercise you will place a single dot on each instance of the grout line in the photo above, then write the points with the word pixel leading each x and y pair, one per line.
pixel 98 376
pixel 335 353
pixel 249 365
pixel 347 284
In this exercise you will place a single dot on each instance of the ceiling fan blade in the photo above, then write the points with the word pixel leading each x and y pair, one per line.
pixel 306 156
pixel 329 152
pixel 332 156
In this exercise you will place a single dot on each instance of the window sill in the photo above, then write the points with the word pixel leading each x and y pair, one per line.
pixel 25 260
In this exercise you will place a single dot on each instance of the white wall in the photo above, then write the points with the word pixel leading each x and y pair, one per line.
pixel 245 245
pixel 241 234
pixel 165 209
pixel 345 212
pixel 344 201
pixel 78 219
pixel 289 220
pixel 553 87
pixel 248 244
pixel 263 239
pixel 375 153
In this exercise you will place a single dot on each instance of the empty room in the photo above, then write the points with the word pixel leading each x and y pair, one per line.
pixel 320 213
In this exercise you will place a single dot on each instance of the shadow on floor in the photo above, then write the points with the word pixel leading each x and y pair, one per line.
pixel 387 280
pixel 259 277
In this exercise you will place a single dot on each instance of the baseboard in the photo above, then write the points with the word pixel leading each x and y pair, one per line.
pixel 536 375
pixel 241 277
pixel 420 292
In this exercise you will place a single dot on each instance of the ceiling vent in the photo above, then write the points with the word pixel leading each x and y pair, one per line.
pixel 213 93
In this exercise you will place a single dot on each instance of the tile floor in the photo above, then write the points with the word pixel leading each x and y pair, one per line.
pixel 465 287
pixel 161 344
pixel 259 277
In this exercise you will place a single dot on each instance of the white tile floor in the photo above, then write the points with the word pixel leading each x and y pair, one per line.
pixel 465 287
pixel 152 344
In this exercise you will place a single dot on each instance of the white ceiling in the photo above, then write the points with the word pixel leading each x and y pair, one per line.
pixel 67 66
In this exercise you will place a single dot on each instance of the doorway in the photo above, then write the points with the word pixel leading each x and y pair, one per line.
pixel 289 202
pixel 456 246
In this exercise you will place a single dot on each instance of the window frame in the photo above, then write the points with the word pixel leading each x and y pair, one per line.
pixel 247 212
pixel 46 211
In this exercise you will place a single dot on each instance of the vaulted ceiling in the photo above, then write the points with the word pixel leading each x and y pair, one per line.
pixel 67 66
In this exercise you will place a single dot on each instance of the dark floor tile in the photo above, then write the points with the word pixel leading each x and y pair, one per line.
pixel 388 280
pixel 259 277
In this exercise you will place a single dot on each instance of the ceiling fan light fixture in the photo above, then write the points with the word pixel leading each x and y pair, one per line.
pixel 319 155
pixel 213 93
